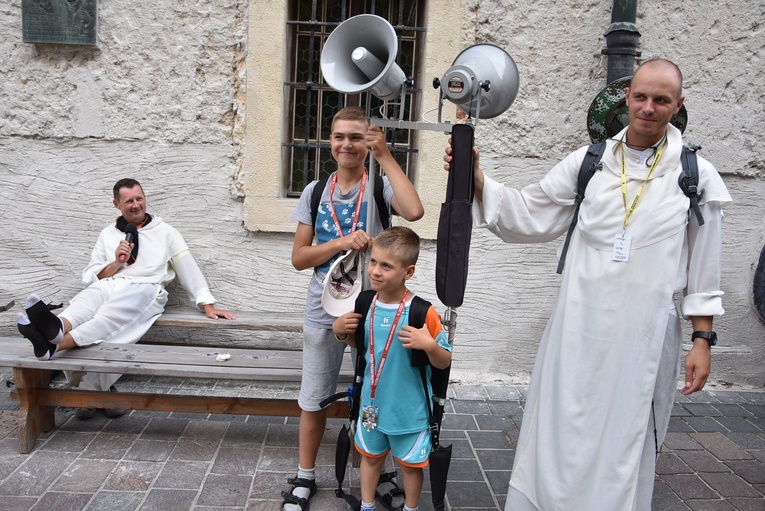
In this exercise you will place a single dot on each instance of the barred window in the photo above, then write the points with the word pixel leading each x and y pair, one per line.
pixel 311 103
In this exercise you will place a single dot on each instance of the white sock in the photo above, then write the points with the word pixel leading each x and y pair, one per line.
pixel 304 493
pixel 368 506
pixel 407 508
pixel 306 473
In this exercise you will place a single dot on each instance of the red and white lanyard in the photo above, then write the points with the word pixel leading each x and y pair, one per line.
pixel 375 375
pixel 359 199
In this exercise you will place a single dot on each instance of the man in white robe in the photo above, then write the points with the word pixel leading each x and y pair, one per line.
pixel 126 289
pixel 603 383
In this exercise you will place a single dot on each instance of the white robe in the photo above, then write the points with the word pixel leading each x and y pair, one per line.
pixel 611 347
pixel 120 309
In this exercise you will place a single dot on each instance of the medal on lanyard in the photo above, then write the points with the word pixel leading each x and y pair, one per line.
pixel 623 241
pixel 370 413
pixel 359 199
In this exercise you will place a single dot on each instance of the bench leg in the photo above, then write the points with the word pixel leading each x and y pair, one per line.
pixel 33 418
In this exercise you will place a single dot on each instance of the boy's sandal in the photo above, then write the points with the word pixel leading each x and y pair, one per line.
pixel 291 498
pixel 387 498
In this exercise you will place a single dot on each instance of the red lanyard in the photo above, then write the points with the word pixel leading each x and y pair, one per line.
pixel 359 199
pixel 376 375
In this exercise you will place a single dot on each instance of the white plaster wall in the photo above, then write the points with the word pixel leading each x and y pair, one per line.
pixel 161 99
pixel 557 46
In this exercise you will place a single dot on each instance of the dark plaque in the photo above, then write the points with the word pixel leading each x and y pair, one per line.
pixel 60 21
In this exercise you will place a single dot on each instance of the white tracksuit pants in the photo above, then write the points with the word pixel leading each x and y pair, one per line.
pixel 111 310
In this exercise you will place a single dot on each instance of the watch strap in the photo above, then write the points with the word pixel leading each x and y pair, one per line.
pixel 710 337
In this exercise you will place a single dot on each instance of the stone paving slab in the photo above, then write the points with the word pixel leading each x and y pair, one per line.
pixel 713 457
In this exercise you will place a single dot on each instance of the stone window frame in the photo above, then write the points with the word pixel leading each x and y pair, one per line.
pixel 310 103
pixel 266 205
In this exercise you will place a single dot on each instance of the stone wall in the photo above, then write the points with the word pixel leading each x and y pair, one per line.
pixel 160 99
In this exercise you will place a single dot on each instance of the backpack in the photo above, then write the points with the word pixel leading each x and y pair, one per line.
pixel 688 182
pixel 382 207
pixel 418 311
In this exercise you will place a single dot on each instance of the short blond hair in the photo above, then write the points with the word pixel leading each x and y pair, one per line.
pixel 350 113
pixel 402 241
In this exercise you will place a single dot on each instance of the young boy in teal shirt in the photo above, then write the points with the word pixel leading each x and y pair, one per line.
pixel 394 407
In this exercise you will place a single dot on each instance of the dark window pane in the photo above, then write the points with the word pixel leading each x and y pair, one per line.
pixel 303 164
pixel 332 102
pixel 304 10
pixel 307 55
pixel 336 11
pixel 312 104
pixel 409 16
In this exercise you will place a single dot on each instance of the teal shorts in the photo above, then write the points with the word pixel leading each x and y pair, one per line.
pixel 411 449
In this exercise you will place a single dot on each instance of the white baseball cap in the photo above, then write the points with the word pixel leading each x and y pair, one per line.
pixel 342 284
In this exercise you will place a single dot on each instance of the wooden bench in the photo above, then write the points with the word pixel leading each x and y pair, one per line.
pixel 37 399
pixel 186 317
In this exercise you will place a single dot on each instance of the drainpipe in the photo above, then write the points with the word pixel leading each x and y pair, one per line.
pixel 622 40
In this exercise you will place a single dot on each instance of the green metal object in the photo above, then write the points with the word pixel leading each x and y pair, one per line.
pixel 608 114
pixel 60 21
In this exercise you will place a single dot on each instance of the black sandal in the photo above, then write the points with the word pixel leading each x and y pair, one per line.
pixel 291 498
pixel 386 499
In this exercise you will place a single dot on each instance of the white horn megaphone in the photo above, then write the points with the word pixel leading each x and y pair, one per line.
pixel 482 82
pixel 360 55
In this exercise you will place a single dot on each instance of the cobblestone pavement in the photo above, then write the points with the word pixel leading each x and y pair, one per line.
pixel 713 458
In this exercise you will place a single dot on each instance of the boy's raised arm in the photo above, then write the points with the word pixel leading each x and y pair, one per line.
pixel 406 200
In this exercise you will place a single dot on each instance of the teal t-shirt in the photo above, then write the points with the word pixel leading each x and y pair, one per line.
pixel 399 395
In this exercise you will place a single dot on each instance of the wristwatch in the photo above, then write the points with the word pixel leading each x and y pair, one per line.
pixel 711 337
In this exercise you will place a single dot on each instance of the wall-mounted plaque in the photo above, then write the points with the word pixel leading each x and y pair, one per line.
pixel 60 21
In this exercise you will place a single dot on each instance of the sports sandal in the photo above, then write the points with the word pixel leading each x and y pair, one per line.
pixel 388 498
pixel 291 498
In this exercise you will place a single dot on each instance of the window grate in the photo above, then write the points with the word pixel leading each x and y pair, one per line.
pixel 311 103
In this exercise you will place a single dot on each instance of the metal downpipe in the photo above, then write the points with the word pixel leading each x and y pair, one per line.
pixel 622 39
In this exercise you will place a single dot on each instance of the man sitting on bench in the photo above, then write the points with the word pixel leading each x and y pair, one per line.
pixel 125 293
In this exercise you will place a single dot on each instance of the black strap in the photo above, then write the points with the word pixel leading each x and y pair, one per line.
pixel 434 427
pixel 318 189
pixel 689 180
pixel 418 311
pixel 382 207
pixel 590 165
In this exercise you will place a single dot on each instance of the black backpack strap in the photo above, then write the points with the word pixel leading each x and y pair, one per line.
pixel 382 207
pixel 689 179
pixel 418 311
pixel 363 303
pixel 318 189
pixel 439 378
pixel 590 165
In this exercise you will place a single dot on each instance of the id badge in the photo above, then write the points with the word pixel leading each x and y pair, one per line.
pixel 369 416
pixel 622 243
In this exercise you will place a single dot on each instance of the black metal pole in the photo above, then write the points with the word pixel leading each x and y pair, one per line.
pixel 622 39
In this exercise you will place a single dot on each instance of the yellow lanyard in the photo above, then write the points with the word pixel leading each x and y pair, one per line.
pixel 628 212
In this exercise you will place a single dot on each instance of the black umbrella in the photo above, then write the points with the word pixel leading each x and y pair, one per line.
pixel 440 456
pixel 341 461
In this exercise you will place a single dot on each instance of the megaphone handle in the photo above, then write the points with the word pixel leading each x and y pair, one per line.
pixel 372 169
pixel 460 184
